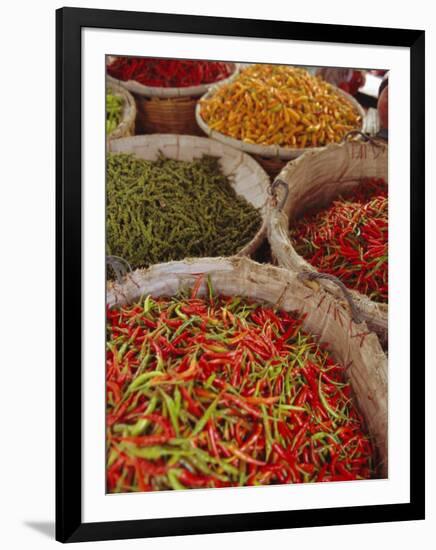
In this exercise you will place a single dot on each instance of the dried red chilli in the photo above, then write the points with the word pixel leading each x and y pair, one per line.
pixel 178 417
pixel 169 73
pixel 349 239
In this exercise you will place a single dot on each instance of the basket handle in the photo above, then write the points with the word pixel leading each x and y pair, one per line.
pixel 119 265
pixel 365 137
pixel 273 192
pixel 356 314
pixel 380 326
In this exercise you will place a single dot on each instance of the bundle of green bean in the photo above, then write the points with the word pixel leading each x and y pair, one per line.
pixel 164 210
pixel 114 109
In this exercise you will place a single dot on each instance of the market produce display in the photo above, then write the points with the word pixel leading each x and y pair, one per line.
pixel 349 239
pixel 114 111
pixel 167 209
pixel 210 389
pixel 279 105
pixel 221 391
pixel 169 73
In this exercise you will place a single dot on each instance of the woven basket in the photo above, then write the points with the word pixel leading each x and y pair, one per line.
pixel 272 157
pixel 314 180
pixel 174 115
pixel 247 177
pixel 126 127
pixel 265 283
pixel 169 110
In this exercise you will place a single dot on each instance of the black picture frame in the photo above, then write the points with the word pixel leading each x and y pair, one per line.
pixel 69 525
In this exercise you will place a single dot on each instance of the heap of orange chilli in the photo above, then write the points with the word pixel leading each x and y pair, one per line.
pixel 349 239
pixel 221 391
pixel 279 105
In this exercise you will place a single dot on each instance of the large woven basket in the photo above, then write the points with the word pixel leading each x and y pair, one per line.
pixel 168 110
pixel 315 180
pixel 272 157
pixel 126 127
pixel 326 319
pixel 247 177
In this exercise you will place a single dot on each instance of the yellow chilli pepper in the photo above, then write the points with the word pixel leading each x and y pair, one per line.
pixel 280 105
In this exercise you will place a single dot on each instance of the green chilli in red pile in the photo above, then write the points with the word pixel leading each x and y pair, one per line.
pixel 349 239
pixel 221 391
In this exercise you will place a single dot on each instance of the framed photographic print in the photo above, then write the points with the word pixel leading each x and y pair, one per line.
pixel 240 246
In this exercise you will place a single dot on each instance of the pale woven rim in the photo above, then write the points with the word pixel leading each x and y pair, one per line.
pixel 241 161
pixel 279 223
pixel 325 318
pixel 126 125
pixel 162 93
pixel 268 151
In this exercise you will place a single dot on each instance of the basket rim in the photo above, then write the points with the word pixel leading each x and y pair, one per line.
pixel 161 92
pixel 129 110
pixel 166 279
pixel 261 175
pixel 286 175
pixel 268 151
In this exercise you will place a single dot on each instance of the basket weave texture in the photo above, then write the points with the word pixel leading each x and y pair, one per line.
pixel 126 127
pixel 167 116
pixel 326 319
pixel 314 180
pixel 168 110
pixel 264 151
